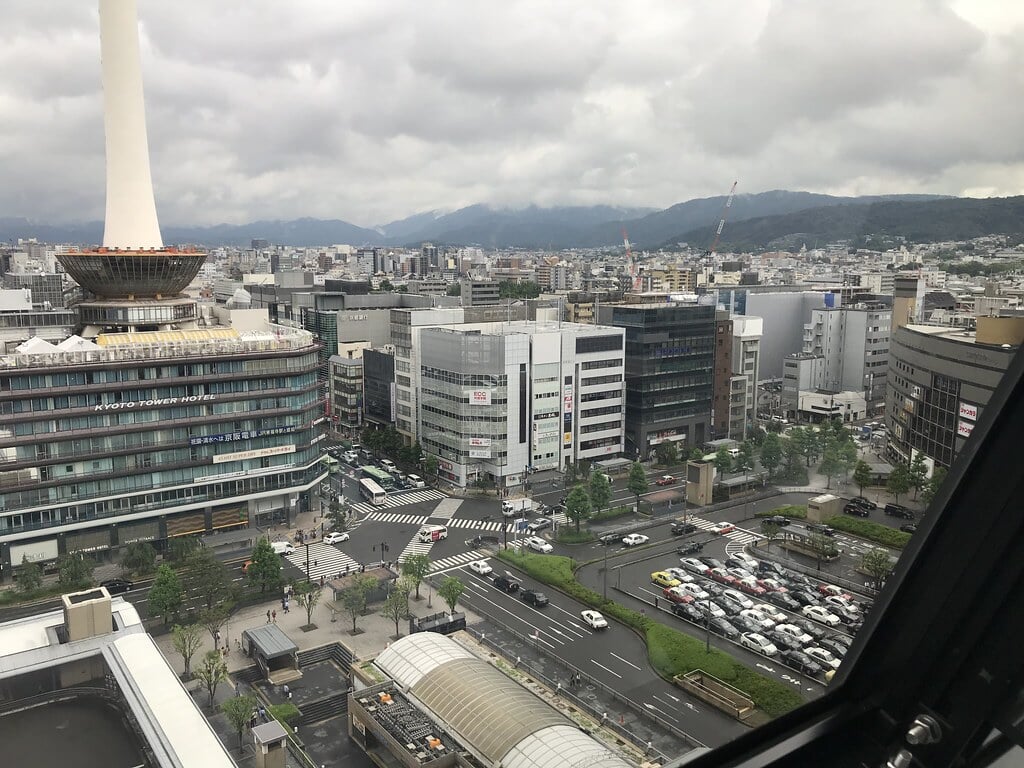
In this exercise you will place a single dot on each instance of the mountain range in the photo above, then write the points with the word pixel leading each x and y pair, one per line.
pixel 778 218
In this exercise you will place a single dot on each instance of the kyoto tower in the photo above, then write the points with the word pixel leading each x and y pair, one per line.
pixel 132 267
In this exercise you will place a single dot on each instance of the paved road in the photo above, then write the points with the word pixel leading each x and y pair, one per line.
pixel 615 657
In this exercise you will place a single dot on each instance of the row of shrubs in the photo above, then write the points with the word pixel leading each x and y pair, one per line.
pixel 876 532
pixel 569 536
pixel 792 511
pixel 671 652
pixel 610 514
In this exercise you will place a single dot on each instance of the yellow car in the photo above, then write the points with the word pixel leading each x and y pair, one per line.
pixel 665 579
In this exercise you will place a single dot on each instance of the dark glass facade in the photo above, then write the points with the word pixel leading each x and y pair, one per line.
pixel 119 274
pixel 670 356
pixel 378 386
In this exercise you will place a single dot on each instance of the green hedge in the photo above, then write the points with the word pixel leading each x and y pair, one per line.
pixel 285 713
pixel 876 532
pixel 611 514
pixel 792 511
pixel 571 537
pixel 670 651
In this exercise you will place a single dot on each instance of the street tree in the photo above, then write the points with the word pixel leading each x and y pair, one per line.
pixel 75 571
pixel 180 547
pixel 723 461
pixel 308 596
pixel 771 453
pixel 600 491
pixel 30 575
pixel 745 459
pixel 830 464
pixel 637 483
pixel 214 619
pixel 353 597
pixel 771 532
pixel 877 563
pixel 265 569
pixel 822 547
pixel 696 454
pixel 138 559
pixel 577 505
pixel 450 591
pixel 899 481
pixel 430 467
pixel 934 483
pixel 667 454
pixel 415 568
pixel 238 710
pixel 862 475
pixel 206 577
pixel 794 455
pixel 918 473
pixel 809 442
pixel 212 672
pixel 337 515
pixel 848 457
pixel 186 640
pixel 166 595
pixel 396 606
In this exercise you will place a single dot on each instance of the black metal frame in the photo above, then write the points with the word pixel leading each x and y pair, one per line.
pixel 944 637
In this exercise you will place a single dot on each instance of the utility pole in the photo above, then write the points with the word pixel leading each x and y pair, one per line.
pixel 606 570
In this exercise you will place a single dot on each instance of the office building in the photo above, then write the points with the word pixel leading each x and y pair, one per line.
pixel 728 405
pixel 746 363
pixel 379 402
pixel 940 380
pixel 499 399
pixel 670 353
pixel 345 388
pixel 476 293
pixel 47 290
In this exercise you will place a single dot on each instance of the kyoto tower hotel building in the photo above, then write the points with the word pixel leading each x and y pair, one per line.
pixel 162 417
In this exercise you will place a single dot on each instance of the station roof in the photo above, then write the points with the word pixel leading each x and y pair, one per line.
pixel 271 641
pixel 497 718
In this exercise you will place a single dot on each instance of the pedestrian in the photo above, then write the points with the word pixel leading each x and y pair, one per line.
pixel 315 564
pixel 655 602
pixel 274 614
pixel 322 582
pixel 268 617
pixel 287 691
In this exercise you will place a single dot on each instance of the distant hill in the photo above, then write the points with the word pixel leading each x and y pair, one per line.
pixel 913 220
pixel 703 214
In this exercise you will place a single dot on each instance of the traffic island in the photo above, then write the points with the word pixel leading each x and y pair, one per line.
pixel 717 693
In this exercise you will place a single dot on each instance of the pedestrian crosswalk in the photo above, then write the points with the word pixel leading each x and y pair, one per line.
pixel 324 560
pixel 415 547
pixel 455 561
pixel 396 517
pixel 739 536
pixel 400 500
pixel 402 519
pixel 445 509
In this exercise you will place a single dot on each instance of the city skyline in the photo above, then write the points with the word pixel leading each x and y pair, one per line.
pixel 373 113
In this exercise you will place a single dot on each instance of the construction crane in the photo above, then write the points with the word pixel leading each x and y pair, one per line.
pixel 634 272
pixel 721 222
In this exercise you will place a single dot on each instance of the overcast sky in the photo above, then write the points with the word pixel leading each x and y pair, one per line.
pixel 372 110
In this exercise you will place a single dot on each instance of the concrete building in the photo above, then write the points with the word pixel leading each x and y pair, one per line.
pixel 20 320
pixel 47 290
pixel 728 408
pixel 500 399
pixel 345 388
pixel 379 398
pixel 746 362
pixel 670 350
pixel 476 293
pixel 940 380
pixel 877 282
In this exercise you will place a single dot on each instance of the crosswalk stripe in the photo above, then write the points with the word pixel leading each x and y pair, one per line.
pixel 446 508
pixel 399 500
pixel 325 560
pixel 455 561
pixel 394 517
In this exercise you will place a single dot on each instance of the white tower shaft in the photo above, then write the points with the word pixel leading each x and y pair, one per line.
pixel 131 222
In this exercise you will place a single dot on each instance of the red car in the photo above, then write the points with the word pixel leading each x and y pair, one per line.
pixel 722 576
pixel 829 589
pixel 676 595
pixel 751 587
pixel 665 480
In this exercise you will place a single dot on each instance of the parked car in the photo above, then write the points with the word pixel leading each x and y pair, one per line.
pixel 763 621
pixel 801 662
pixel 771 612
pixel 834 646
pixel 480 566
pixel 336 537
pixel 823 656
pixel 809 627
pixel 117 586
pixel 783 600
pixel 909 528
pixel 416 481
pixel 712 562
pixel 778 520
pixel 690 548
pixel 594 619
pixel 695 590
pixel 768 567
pixel 743 560
pixel 857 510
pixel 694 565
pixel 664 579
pixel 833 602
pixel 677 595
pixel 832 589
pixel 898 510
pixel 864 502
pixel 737 598
pixel 537 544
pixel 820 614
pixel 610 538
pixel 666 480
pixel 722 576
pixel 722 626
pixel 678 573
pixel 740 573
pixel 824 530
pixel 711 607
pixel 804 598
pixel 783 641
pixel 534 597
pixel 679 529
pixel 758 643
pixel 751 587
pixel 506 584
pixel 689 612
pixel 634 539
pixel 795 632
pixel 722 528
pixel 772 585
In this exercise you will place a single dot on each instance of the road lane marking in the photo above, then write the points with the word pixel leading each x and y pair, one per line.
pixel 602 666
pixel 520 618
pixel 630 663
pixel 568 635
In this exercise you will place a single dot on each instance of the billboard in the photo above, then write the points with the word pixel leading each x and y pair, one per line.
pixel 277 450
pixel 964 428
pixel 479 453
pixel 567 396
pixel 479 396
pixel 968 411
pixel 480 442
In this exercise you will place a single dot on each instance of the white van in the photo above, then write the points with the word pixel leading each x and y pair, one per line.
pixel 388 465
pixel 416 481
pixel 429 533
pixel 282 547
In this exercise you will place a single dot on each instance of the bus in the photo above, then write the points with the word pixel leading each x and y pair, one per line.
pixel 372 492
pixel 379 476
